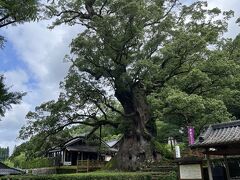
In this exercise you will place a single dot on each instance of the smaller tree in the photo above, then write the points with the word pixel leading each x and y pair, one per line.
pixel 4 153
pixel 8 98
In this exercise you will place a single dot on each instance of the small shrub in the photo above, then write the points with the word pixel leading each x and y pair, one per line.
pixel 38 163
pixel 66 170
pixel 163 149
pixel 169 176
pixel 111 164
pixel 22 162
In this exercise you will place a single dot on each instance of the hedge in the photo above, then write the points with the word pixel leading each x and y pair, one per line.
pixel 85 176
pixel 97 176
pixel 38 163
pixel 169 176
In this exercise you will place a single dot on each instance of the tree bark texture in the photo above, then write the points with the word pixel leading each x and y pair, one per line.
pixel 136 146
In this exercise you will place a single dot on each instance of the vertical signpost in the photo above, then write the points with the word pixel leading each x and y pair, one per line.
pixel 190 135
pixel 177 151
pixel 190 168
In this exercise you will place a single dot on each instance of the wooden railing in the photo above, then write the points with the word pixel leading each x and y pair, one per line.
pixel 89 165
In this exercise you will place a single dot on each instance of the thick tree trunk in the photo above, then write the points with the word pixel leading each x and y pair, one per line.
pixel 134 152
pixel 136 147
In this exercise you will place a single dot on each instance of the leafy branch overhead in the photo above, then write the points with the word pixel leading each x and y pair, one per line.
pixel 81 103
pixel 13 12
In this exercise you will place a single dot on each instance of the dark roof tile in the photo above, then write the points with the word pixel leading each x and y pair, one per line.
pixel 219 134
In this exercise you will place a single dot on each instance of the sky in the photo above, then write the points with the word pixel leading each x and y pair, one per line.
pixel 32 61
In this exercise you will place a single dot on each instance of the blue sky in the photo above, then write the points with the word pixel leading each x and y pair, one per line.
pixel 10 59
pixel 32 62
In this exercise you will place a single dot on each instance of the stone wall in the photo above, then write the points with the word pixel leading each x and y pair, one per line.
pixel 41 171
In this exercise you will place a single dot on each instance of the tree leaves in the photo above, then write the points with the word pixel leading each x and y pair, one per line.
pixel 17 11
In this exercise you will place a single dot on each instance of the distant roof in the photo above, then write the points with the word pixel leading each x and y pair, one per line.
pixel 5 170
pixel 9 172
pixel 219 135
pixel 72 145
pixel 74 140
pixel 83 148
pixel 112 143
pixel 54 149
pixel 3 166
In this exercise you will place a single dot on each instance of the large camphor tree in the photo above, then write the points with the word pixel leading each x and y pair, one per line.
pixel 139 61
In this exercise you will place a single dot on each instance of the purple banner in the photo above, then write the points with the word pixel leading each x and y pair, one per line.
pixel 190 135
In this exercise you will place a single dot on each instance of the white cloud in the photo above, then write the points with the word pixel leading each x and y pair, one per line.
pixel 17 80
pixel 42 49
pixel 10 126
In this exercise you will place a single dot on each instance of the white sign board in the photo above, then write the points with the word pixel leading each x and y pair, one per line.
pixel 67 163
pixel 177 151
pixel 190 171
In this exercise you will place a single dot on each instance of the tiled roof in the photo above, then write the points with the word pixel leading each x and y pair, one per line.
pixel 219 135
pixel 73 140
pixel 74 145
pixel 9 171
pixel 3 166
pixel 5 170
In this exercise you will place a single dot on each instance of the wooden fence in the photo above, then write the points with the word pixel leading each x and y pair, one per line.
pixel 89 165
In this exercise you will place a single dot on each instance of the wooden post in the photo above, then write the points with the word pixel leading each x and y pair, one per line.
pixel 171 142
pixel 209 168
pixel 64 151
pixel 87 164
pixel 227 167
pixel 100 142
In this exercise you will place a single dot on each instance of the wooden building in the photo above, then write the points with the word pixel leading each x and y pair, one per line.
pixel 83 147
pixel 221 142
